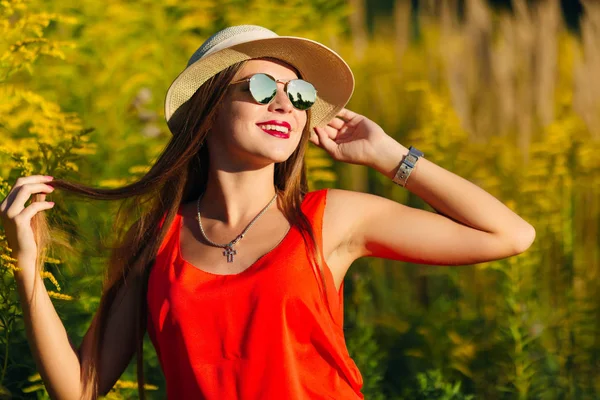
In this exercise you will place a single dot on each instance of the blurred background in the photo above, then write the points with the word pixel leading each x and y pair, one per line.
pixel 504 93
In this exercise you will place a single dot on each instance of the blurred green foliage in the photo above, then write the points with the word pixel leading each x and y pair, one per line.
pixel 81 96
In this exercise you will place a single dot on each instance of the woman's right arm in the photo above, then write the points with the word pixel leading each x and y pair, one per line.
pixel 58 362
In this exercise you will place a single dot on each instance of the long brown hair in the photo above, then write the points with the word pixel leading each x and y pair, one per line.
pixel 177 177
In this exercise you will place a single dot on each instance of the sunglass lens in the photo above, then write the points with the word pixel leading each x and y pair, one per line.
pixel 262 88
pixel 302 94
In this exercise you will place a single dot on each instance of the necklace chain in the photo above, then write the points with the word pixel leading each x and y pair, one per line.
pixel 229 251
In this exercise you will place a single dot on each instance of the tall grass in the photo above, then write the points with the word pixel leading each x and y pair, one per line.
pixel 508 100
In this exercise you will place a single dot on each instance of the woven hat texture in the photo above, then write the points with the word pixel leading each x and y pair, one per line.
pixel 318 64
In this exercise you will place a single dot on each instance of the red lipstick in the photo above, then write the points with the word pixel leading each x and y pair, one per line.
pixel 273 128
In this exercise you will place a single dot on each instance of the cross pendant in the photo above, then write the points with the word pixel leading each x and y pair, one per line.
pixel 229 252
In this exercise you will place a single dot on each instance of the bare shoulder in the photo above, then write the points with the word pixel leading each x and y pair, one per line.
pixel 347 213
pixel 343 212
pixel 351 205
pixel 335 215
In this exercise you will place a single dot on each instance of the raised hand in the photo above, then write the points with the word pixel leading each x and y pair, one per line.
pixel 352 138
pixel 16 219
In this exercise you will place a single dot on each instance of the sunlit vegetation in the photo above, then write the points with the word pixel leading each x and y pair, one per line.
pixel 507 100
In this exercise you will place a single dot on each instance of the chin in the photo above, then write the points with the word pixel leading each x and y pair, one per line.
pixel 272 152
pixel 279 155
pixel 280 158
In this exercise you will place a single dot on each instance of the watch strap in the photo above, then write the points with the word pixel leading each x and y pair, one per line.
pixel 407 165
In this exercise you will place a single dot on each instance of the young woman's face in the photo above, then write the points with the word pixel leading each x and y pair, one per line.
pixel 241 133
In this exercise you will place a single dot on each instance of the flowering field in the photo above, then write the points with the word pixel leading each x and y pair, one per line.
pixel 508 99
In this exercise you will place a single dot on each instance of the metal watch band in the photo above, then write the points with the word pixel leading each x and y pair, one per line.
pixel 407 165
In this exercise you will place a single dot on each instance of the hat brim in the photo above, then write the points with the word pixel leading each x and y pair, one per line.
pixel 318 64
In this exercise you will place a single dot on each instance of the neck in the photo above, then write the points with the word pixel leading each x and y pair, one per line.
pixel 234 198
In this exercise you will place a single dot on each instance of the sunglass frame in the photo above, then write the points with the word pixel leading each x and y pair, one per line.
pixel 276 81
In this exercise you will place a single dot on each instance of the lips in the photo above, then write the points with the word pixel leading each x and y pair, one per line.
pixel 280 129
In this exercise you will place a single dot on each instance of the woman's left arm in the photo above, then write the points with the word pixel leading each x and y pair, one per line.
pixel 478 227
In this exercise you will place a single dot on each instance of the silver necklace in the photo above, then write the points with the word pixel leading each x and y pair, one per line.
pixel 229 251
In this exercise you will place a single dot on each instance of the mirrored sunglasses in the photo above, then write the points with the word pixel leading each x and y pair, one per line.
pixel 263 88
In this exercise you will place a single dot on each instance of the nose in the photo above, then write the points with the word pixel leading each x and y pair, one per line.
pixel 281 103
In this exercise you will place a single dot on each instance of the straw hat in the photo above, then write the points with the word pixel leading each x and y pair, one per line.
pixel 317 64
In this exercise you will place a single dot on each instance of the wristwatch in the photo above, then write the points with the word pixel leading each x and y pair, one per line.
pixel 407 165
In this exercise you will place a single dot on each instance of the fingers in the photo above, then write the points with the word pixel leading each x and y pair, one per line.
pixel 24 194
pixel 24 187
pixel 24 180
pixel 28 213
pixel 333 130
pixel 325 141
pixel 336 123
pixel 331 133
pixel 346 114
pixel 314 138
pixel 32 179
pixel 338 128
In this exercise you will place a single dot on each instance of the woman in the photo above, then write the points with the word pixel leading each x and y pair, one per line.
pixel 234 269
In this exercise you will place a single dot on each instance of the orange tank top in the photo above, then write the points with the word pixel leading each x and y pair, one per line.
pixel 264 333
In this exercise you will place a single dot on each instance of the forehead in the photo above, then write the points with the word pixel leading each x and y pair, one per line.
pixel 276 68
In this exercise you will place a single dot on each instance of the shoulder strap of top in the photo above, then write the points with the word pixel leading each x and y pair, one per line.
pixel 170 231
pixel 313 207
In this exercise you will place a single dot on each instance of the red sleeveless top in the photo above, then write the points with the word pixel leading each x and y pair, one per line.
pixel 264 333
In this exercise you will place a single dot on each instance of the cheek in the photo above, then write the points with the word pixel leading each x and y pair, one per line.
pixel 221 117
pixel 230 119
pixel 301 121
